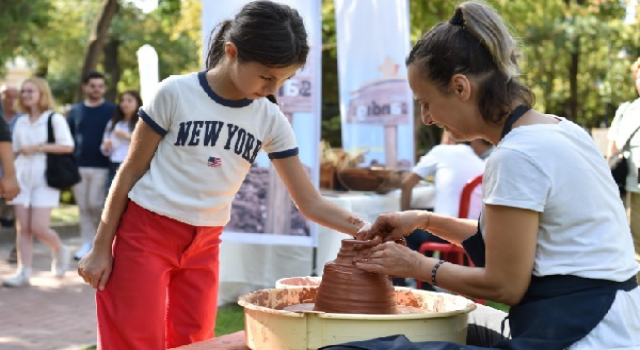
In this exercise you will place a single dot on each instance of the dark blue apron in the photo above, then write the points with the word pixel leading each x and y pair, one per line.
pixel 555 312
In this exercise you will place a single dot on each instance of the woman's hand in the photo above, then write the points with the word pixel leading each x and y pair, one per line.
pixel 392 226
pixel 389 258
pixel 95 267
pixel 122 134
pixel 10 187
pixel 106 145
pixel 28 150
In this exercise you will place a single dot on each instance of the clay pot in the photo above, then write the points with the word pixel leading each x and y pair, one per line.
pixel 349 290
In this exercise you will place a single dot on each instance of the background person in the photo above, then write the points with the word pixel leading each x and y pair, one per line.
pixel 34 203
pixel 117 135
pixel 625 122
pixel 88 121
pixel 9 95
pixel 452 165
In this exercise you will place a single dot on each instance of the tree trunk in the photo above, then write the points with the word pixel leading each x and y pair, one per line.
pixel 112 68
pixel 96 41
pixel 42 68
pixel 573 80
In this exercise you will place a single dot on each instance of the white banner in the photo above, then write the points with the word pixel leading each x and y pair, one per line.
pixel 376 104
pixel 257 214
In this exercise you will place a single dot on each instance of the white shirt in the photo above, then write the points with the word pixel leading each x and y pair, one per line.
pixel 625 122
pixel 453 166
pixel 557 170
pixel 26 133
pixel 119 145
pixel 209 144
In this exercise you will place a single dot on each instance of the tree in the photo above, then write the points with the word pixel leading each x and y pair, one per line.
pixel 18 20
pixel 97 39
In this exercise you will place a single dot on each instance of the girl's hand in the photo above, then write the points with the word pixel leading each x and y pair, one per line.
pixel 95 268
pixel 389 258
pixel 392 226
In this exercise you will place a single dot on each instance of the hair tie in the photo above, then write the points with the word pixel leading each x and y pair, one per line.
pixel 458 18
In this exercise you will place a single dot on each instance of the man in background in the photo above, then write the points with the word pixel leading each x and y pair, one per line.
pixel 87 121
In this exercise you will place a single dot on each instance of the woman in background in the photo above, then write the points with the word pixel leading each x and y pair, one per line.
pixel 117 135
pixel 36 199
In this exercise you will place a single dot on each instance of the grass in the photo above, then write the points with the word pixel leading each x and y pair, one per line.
pixel 230 319
pixel 65 213
pixel 501 307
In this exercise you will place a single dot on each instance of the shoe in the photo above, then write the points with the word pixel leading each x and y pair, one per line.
pixel 60 261
pixel 13 256
pixel 84 249
pixel 20 279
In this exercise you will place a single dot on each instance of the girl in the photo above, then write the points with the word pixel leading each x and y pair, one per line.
pixel 553 240
pixel 117 135
pixel 34 203
pixel 155 257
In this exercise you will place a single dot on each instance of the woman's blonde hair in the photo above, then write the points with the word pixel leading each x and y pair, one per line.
pixel 46 98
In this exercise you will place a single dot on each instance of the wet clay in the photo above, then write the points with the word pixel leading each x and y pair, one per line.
pixel 349 290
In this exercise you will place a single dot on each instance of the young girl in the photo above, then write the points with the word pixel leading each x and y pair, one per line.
pixel 553 240
pixel 158 282
pixel 34 203
pixel 117 135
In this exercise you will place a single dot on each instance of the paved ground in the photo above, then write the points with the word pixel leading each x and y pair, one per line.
pixel 52 314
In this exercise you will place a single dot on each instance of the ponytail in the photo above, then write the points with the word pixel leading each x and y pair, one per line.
pixel 216 48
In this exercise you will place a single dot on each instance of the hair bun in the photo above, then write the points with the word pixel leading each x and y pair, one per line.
pixel 458 18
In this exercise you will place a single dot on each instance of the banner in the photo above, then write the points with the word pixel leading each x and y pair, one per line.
pixel 262 211
pixel 376 103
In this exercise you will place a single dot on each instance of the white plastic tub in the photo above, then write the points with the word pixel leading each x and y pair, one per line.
pixel 444 317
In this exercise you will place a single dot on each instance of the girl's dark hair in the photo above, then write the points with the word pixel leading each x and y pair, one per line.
pixel 118 115
pixel 476 43
pixel 263 31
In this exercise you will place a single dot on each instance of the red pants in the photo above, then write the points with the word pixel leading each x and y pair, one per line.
pixel 163 289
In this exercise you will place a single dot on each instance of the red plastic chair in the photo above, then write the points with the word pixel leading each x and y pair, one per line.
pixel 451 252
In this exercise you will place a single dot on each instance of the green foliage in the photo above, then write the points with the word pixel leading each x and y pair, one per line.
pixel 555 34
pixel 552 33
pixel 19 19
pixel 230 319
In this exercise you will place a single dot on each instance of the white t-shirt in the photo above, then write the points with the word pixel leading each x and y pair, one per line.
pixel 453 166
pixel 30 169
pixel 119 145
pixel 208 145
pixel 625 122
pixel 557 170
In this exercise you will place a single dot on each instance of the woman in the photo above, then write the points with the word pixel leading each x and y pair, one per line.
pixel 34 203
pixel 624 135
pixel 552 240
pixel 117 135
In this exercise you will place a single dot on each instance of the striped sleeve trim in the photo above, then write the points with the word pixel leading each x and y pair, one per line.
pixel 152 123
pixel 284 154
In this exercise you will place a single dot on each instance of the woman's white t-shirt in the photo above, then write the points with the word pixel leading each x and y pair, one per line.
pixel 557 171
pixel 119 145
